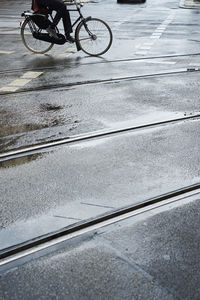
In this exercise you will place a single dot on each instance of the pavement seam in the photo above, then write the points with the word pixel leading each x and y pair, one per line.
pixel 135 266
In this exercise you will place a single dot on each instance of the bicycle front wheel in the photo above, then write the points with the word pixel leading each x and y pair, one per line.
pixel 94 36
pixel 31 43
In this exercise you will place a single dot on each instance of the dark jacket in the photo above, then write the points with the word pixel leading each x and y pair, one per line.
pixel 34 6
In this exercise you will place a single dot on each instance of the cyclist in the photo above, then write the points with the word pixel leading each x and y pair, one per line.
pixel 61 12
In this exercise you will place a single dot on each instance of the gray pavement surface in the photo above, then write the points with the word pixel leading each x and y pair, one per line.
pixel 100 107
pixel 87 179
pixel 160 30
pixel 152 256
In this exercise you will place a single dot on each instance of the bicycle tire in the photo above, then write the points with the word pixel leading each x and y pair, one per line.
pixel 32 44
pixel 98 40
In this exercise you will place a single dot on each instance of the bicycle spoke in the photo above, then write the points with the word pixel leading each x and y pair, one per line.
pixel 95 38
pixel 31 43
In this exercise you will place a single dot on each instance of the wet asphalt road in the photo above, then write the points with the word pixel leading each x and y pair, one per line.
pixel 154 255
pixel 147 81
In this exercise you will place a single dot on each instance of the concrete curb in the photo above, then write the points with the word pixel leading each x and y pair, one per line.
pixel 189 4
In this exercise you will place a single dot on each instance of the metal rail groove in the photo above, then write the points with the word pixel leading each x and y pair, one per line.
pixel 102 81
pixel 63 66
pixel 103 134
pixel 16 252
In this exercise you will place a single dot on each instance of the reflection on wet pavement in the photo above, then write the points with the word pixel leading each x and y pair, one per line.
pixel 17 130
pixel 20 161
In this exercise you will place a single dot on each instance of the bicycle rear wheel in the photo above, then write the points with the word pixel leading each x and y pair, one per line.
pixel 94 36
pixel 31 43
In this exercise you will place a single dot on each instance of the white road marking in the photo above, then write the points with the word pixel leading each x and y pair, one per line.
pixel 5 52
pixel 8 89
pixel 141 53
pixel 163 27
pixel 31 75
pixel 64 54
pixel 3 32
pixel 149 43
pixel 159 31
pixel 157 34
pixel 28 53
pixel 20 82
pixel 194 64
pixel 154 37
pixel 145 47
pixel 154 61
pixel 166 23
pixel 161 62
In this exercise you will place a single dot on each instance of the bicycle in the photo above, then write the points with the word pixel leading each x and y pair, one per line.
pixel 92 35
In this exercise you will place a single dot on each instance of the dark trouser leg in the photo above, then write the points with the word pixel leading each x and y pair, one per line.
pixel 61 12
pixel 67 22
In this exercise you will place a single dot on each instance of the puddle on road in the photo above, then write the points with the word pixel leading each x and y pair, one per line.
pixel 20 161
pixel 6 130
pixel 47 122
pixel 50 107
pixel 50 221
pixel 18 122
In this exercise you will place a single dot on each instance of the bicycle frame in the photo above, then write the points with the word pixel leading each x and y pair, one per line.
pixel 80 18
pixel 78 9
pixel 87 31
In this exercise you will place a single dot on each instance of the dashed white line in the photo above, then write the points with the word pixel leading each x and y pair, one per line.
pixel 156 34
pixel 5 52
pixel 162 27
pixel 159 30
pixel 154 37
pixel 31 74
pixel 20 82
pixel 8 89
pixel 63 54
pixel 161 62
pixel 141 53
pixel 148 43
pixel 194 64
pixel 145 48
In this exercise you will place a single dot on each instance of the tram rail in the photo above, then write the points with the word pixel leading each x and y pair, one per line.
pixel 35 149
pixel 104 61
pixel 47 241
pixel 16 252
pixel 103 81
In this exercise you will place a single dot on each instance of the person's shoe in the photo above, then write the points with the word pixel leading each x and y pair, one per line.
pixel 52 32
pixel 70 39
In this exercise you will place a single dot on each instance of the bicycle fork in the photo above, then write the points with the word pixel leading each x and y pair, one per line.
pixel 83 21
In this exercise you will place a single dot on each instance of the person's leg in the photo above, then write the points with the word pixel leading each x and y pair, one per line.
pixel 53 5
pixel 66 21
pixel 61 12
pixel 51 29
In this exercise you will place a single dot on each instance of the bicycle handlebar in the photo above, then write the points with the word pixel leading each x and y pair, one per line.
pixel 72 2
pixel 75 2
